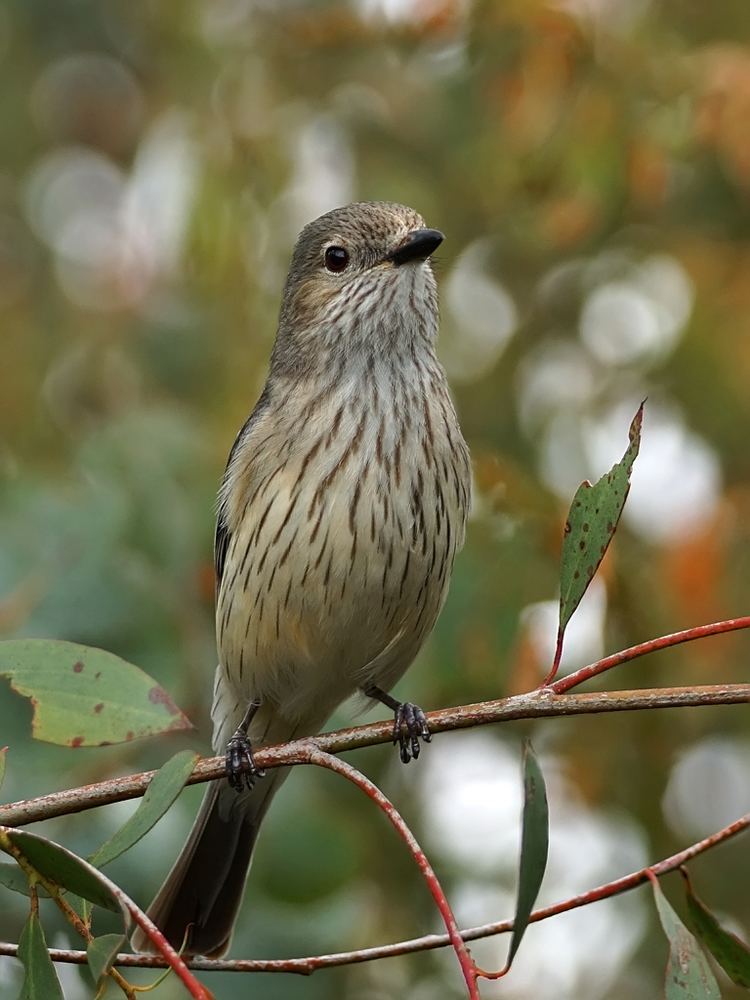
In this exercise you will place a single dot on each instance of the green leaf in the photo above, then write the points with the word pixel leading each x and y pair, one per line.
pixel 688 976
pixel 63 868
pixel 13 877
pixel 84 696
pixel 534 846
pixel 732 954
pixel 592 521
pixel 163 789
pixel 101 952
pixel 40 981
pixel 3 758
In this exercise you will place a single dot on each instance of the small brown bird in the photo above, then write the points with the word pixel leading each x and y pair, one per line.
pixel 342 507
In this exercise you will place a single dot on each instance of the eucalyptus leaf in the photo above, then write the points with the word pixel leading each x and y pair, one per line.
pixel 688 976
pixel 732 954
pixel 534 846
pixel 591 524
pixel 101 952
pixel 163 789
pixel 40 980
pixel 84 696
pixel 13 877
pixel 64 868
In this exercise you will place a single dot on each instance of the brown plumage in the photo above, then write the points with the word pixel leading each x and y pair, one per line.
pixel 341 510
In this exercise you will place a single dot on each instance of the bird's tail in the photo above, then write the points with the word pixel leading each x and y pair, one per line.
pixel 198 902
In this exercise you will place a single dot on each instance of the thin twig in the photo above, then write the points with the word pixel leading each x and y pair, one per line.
pixel 36 877
pixel 429 942
pixel 643 648
pixel 543 703
pixel 321 759
pixel 169 956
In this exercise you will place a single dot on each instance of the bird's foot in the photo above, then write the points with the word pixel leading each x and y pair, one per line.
pixel 242 771
pixel 409 726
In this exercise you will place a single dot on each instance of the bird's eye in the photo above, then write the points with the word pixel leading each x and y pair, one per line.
pixel 336 259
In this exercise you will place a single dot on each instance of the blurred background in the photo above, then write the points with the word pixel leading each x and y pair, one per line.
pixel 589 162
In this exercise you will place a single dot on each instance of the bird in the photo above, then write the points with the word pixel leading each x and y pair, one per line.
pixel 341 510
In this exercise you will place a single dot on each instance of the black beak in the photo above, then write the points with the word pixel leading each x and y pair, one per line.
pixel 417 246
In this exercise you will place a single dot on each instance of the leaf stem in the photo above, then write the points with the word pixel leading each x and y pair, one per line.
pixel 556 660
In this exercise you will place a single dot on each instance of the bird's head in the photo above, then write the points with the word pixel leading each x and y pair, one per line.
pixel 360 277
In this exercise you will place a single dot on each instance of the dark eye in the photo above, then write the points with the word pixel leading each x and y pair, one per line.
pixel 336 259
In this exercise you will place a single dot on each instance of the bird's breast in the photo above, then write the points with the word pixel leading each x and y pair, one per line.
pixel 344 526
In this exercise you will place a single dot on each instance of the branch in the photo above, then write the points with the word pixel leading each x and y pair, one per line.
pixel 643 648
pixel 321 759
pixel 306 966
pixel 540 704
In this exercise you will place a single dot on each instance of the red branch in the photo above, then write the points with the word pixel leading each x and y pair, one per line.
pixel 306 966
pixel 312 755
pixel 172 958
pixel 547 701
pixel 663 642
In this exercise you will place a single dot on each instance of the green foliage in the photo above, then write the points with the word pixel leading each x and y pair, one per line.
pixel 12 877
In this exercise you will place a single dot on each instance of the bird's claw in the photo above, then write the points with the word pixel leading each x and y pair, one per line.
pixel 409 726
pixel 241 768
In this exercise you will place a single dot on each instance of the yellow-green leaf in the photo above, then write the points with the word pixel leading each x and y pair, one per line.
pixel 84 696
